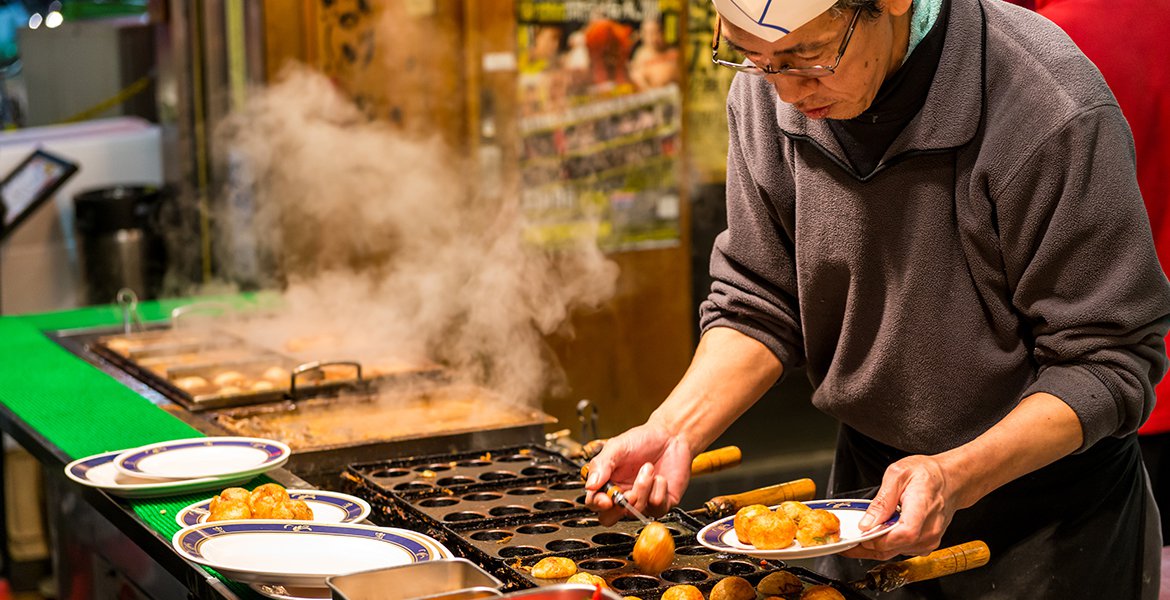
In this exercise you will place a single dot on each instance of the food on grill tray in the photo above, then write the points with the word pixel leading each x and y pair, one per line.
pixel 554 567
pixel 588 579
pixel 821 592
pixel 191 384
pixel 733 588
pixel 682 592
pixel 654 550
pixel 767 530
pixel 268 501
pixel 395 413
pixel 780 583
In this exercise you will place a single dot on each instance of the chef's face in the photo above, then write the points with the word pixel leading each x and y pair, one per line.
pixel 875 51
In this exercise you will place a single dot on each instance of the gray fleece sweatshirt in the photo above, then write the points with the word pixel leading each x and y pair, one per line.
pixel 1000 248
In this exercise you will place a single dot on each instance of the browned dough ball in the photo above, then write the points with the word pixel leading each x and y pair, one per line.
pixel 771 531
pixel 819 527
pixel 654 550
pixel 793 510
pixel 742 516
pixel 554 567
pixel 588 579
pixel 682 592
pixel 821 592
pixel 733 588
pixel 780 583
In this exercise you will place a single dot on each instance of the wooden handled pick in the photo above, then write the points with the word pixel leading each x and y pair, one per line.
pixel 716 460
pixel 944 561
pixel 801 489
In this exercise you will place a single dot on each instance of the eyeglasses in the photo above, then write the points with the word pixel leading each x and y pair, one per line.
pixel 796 71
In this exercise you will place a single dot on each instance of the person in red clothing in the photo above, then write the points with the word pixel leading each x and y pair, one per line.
pixel 1139 76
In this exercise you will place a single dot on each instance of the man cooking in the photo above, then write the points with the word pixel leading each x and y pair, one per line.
pixel 932 207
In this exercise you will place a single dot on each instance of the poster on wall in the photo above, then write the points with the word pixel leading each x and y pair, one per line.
pixel 601 114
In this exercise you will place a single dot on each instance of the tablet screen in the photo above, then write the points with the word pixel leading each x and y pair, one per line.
pixel 33 181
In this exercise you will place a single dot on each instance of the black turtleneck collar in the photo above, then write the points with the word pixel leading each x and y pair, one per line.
pixel 866 137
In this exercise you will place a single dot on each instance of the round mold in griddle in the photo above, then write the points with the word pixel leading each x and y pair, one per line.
pixel 553 505
pixel 497 476
pixel 632 583
pixel 517 551
pixel 601 564
pixel 610 538
pixel 483 496
pixel 685 575
pixel 389 473
pixel 507 511
pixel 526 491
pixel 515 458
pixel 438 502
pixel 537 529
pixel 492 535
pixel 582 522
pixel 536 471
pixel 580 499
pixel 732 567
pixel 473 463
pixel 413 485
pixel 568 485
pixel 456 480
pixel 694 551
pixel 464 515
pixel 563 545
pixel 436 468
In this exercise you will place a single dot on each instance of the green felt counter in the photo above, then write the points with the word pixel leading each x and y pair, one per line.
pixel 78 410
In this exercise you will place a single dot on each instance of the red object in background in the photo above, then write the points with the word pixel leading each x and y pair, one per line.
pixel 1127 42
pixel 609 44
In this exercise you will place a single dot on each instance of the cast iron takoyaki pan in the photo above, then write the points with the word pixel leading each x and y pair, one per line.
pixel 693 565
pixel 549 534
pixel 456 472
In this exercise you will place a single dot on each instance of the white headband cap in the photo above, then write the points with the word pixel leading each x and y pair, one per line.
pixel 770 20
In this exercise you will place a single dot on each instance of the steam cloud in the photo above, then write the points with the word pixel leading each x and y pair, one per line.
pixel 382 246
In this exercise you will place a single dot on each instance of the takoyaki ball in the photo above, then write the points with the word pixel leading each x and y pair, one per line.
pixel 229 390
pixel 742 516
pixel 228 378
pixel 263 386
pixel 733 588
pixel 821 592
pixel 682 592
pixel 630 598
pixel 119 345
pixel 301 510
pixel 190 384
pixel 227 511
pixel 554 567
pixel 771 531
pixel 277 375
pixel 268 494
pixel 231 503
pixel 780 583
pixel 793 510
pixel 588 579
pixel 819 527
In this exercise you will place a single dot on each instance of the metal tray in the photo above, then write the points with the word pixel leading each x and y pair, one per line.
pixel 455 473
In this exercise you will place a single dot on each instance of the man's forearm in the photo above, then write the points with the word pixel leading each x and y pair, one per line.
pixel 1040 430
pixel 729 372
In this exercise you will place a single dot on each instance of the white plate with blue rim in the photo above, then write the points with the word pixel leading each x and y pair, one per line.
pixel 299 554
pixel 98 471
pixel 327 507
pixel 720 535
pixel 193 458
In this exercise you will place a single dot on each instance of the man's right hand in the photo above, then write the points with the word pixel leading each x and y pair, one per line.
pixel 651 466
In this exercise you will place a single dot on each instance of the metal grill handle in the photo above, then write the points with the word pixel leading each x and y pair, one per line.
pixel 318 366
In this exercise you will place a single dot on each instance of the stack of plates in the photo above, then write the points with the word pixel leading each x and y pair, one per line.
pixel 179 466
pixel 292 559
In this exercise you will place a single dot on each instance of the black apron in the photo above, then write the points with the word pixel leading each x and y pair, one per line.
pixel 1082 527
